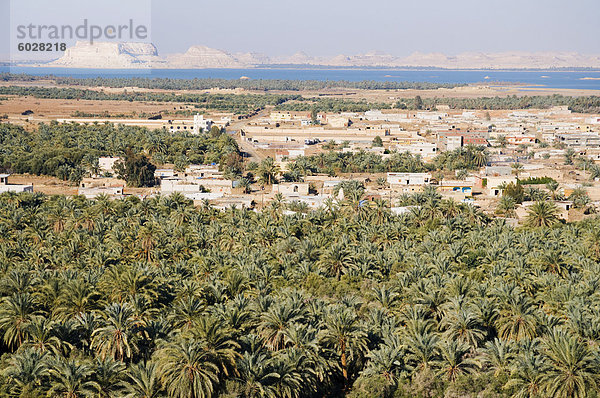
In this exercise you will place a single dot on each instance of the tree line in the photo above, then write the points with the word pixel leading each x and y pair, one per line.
pixel 247 84
pixel 236 103
pixel 581 104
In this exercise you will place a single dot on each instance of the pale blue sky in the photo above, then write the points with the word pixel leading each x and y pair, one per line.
pixel 331 27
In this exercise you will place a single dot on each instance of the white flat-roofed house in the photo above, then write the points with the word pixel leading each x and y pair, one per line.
pixel 106 163
pixel 495 184
pixel 94 192
pixel 291 188
pixel 521 139
pixel 169 185
pixel 201 124
pixel 338 121
pixel 408 178
pixel 579 140
pixel 408 182
pixel 281 116
pixel 164 173
pixel 431 115
pixel 203 171
pixel 6 187
pixel 386 117
pixel 425 149
pixel 216 184
pixel 593 120
pixel 453 142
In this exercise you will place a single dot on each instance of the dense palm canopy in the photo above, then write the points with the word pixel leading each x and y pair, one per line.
pixel 157 298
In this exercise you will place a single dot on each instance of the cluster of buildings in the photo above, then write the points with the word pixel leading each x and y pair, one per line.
pixel 535 138
pixel 428 133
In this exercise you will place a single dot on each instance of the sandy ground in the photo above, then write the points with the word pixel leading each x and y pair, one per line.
pixel 48 109
pixel 44 184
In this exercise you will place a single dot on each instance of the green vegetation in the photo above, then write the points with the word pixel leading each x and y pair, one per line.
pixel 333 163
pixel 538 181
pixel 247 84
pixel 237 103
pixel 470 157
pixel 136 169
pixel 157 298
pixel 68 151
pixel 246 103
pixel 583 104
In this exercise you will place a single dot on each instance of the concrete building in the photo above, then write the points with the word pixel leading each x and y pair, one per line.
pixel 425 149
pixel 452 141
pixel 593 120
pixel 94 192
pixel 493 185
pixel 6 187
pixel 465 187
pixel 291 188
pixel 96 182
pixel 180 126
pixel 106 164
pixel 281 116
pixel 408 178
pixel 386 117
pixel 164 173
pixel 338 121
pixel 201 124
pixel 579 140
pixel 521 139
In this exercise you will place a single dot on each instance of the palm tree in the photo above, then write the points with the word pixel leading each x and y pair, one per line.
pixel 526 377
pixel 388 362
pixel 517 168
pixel 570 367
pixel 108 373
pixel 217 340
pixel 542 214
pixel 257 376
pixel 463 326
pixel 335 260
pixel 518 319
pixel 26 371
pixel 71 379
pixel 552 187
pixel 423 349
pixel 506 206
pixel 142 381
pixel 453 361
pixel 344 333
pixel 267 171
pixel 148 240
pixel 275 321
pixel 498 355
pixel 16 312
pixel 116 338
pixel 480 156
pixel 41 336
pixel 187 370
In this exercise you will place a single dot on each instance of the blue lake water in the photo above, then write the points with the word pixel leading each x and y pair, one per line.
pixel 552 79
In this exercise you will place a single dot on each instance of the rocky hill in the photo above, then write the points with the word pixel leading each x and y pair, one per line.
pixel 143 55
pixel 109 55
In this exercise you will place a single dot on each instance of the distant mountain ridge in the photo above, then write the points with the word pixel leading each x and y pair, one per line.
pixel 145 55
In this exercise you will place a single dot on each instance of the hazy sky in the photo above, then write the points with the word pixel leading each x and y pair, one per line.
pixel 400 27
pixel 331 27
